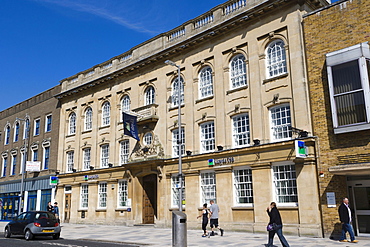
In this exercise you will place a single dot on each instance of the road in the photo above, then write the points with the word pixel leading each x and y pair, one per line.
pixel 19 241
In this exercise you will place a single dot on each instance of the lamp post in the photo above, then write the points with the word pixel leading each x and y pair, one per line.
pixel 179 141
pixel 24 162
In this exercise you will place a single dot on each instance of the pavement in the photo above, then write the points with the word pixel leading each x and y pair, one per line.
pixel 152 236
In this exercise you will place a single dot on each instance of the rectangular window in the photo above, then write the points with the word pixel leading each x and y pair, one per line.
pixel 36 131
pixel 348 76
pixel 176 141
pixel 122 193
pixel 35 155
pixel 241 132
pixel 175 185
pixel 104 156
pixel 284 177
pixel 70 161
pixel 87 158
pixel 243 186
pixel 207 137
pixel 46 157
pixel 84 196
pixel 48 123
pixel 102 194
pixel 14 164
pixel 208 186
pixel 5 163
pixel 280 123
pixel 125 151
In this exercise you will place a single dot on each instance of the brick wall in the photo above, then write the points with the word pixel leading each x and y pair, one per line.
pixel 338 26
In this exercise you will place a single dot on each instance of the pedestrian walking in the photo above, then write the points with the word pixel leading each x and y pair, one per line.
pixel 276 226
pixel 345 216
pixel 205 215
pixel 56 211
pixel 214 209
pixel 49 207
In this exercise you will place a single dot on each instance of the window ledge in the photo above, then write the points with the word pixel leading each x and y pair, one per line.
pixel 352 128
pixel 82 210
pixel 236 89
pixel 176 208
pixel 275 78
pixel 175 107
pixel 104 127
pixel 70 135
pixel 86 131
pixel 101 210
pixel 242 208
pixel 204 99
pixel 122 209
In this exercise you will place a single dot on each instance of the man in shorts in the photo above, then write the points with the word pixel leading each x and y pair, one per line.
pixel 214 209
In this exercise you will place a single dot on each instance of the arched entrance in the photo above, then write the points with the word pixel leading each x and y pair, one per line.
pixel 149 198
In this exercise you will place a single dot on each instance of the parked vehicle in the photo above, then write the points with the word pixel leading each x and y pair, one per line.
pixel 33 223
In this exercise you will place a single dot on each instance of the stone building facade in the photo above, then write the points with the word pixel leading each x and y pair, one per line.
pixel 41 114
pixel 338 65
pixel 245 112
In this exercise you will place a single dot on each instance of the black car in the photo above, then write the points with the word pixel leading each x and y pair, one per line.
pixel 34 223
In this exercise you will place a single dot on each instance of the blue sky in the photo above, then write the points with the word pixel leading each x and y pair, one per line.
pixel 45 41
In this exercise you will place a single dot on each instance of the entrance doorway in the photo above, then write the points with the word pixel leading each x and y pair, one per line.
pixel 67 208
pixel 149 198
pixel 359 191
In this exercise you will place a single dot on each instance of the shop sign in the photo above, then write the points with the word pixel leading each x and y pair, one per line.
pixel 88 177
pixel 33 166
pixel 301 150
pixel 222 161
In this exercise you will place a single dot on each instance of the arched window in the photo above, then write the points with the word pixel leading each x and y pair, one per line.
pixel 276 58
pixel 238 71
pixel 88 118
pixel 205 82
pixel 106 113
pixel 16 132
pixel 149 96
pixel 125 103
pixel 175 91
pixel 148 138
pixel 7 135
pixel 72 124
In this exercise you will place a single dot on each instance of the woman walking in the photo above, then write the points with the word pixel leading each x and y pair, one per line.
pixel 275 219
pixel 205 216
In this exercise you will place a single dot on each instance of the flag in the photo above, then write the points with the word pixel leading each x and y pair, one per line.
pixel 130 126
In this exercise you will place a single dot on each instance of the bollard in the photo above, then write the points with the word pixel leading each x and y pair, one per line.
pixel 179 234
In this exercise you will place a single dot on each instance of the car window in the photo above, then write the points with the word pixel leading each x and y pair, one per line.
pixel 21 217
pixel 41 216
pixel 50 215
pixel 28 216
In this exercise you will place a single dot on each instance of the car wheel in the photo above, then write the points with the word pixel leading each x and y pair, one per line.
pixel 56 236
pixel 7 232
pixel 28 235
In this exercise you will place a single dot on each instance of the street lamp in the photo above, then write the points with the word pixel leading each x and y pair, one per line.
pixel 179 141
pixel 26 122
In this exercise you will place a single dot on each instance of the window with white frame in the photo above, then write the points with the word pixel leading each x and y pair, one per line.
pixel 88 119
pixel 349 89
pixel 14 164
pixel 16 132
pixel 148 138
pixel 86 158
pixel 205 82
pixel 178 141
pixel 175 92
pixel 276 58
pixel 207 137
pixel 175 188
pixel 46 158
pixel 122 193
pixel 70 161
pixel 125 104
pixel 285 184
pixel 84 202
pixel 5 164
pixel 35 154
pixel 104 156
pixel 243 187
pixel 149 95
pixel 26 129
pixel 124 151
pixel 7 135
pixel 280 123
pixel 36 130
pixel 102 195
pixel 238 71
pixel 208 186
pixel 241 130
pixel 72 124
pixel 48 121
pixel 106 114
